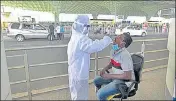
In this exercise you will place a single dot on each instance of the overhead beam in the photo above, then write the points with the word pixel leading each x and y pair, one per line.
pixel 105 7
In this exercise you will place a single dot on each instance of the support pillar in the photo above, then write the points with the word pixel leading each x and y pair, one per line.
pixel 170 75
pixel 115 14
pixel 56 15
pixel 56 10
pixel 94 27
pixel 95 16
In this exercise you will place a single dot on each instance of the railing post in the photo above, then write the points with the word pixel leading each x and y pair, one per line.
pixel 143 48
pixel 96 66
pixel 27 76
pixel 5 84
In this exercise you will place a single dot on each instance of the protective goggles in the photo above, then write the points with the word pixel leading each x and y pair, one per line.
pixel 84 25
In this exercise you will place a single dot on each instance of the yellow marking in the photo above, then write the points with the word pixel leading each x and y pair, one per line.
pixel 40 91
pixel 154 68
pixel 19 95
pixel 112 96
pixel 17 67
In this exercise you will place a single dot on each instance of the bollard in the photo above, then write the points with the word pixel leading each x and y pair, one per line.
pixel 143 49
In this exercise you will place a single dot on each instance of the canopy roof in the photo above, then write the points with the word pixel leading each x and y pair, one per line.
pixel 133 8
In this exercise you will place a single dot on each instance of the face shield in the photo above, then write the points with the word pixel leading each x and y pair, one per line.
pixel 83 28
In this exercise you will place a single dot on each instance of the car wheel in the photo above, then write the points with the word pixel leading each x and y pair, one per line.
pixel 20 38
pixel 143 34
pixel 49 37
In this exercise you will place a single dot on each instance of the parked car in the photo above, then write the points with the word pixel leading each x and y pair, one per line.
pixel 132 30
pixel 22 31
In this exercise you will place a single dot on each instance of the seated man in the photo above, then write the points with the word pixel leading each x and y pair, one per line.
pixel 122 67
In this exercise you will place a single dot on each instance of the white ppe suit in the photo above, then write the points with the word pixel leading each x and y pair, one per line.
pixel 79 49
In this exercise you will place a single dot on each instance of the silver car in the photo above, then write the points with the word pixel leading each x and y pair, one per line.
pixel 22 31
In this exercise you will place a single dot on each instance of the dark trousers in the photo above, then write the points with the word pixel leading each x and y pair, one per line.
pixel 51 36
pixel 59 35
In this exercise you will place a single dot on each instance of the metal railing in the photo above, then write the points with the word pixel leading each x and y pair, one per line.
pixel 96 58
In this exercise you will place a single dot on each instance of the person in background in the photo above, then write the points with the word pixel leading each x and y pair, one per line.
pixel 144 26
pixel 62 30
pixel 164 28
pixel 51 31
pixel 108 30
pixel 99 29
pixel 58 31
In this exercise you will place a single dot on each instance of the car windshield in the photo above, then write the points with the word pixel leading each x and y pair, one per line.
pixel 38 27
pixel 27 26
pixel 15 25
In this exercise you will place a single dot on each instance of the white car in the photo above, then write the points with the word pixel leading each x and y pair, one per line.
pixel 22 31
pixel 133 31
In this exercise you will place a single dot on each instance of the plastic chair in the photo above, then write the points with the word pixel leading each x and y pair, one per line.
pixel 125 92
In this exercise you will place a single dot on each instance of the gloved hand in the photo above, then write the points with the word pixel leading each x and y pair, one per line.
pixel 112 36
pixel 108 37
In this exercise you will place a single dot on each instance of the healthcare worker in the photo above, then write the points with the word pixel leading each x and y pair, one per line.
pixel 79 49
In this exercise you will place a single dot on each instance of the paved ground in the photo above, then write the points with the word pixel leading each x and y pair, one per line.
pixel 57 54
pixel 152 87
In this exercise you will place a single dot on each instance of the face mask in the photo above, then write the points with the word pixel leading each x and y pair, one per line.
pixel 85 31
pixel 115 47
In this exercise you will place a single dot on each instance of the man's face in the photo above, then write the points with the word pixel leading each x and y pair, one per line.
pixel 119 39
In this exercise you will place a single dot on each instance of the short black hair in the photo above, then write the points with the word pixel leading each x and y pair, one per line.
pixel 127 39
